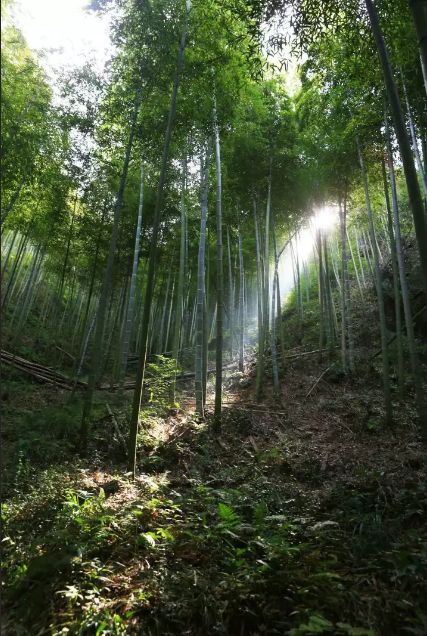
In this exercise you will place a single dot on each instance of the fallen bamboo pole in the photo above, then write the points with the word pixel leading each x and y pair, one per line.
pixel 182 376
pixel 40 378
pixel 65 352
pixel 31 365
pixel 42 374
pixel 317 382
pixel 51 377
pixel 306 353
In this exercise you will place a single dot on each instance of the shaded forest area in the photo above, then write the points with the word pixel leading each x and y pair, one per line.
pixel 214 323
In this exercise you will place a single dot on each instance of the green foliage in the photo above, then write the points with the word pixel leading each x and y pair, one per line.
pixel 241 542
pixel 229 519
pixel 202 542
pixel 319 625
pixel 158 376
pixel 50 434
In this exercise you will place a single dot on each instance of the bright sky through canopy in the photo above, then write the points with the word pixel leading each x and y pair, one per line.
pixel 325 219
pixel 63 24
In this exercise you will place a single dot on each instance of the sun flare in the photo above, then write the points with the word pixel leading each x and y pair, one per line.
pixel 325 218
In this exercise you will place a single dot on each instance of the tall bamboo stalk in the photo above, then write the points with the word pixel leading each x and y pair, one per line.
pixel 200 326
pixel 15 268
pixel 15 195
pixel 260 369
pixel 321 292
pixel 273 319
pixel 165 307
pixel 179 300
pixel 100 322
pixel 29 296
pixel 415 143
pixel 415 364
pixel 358 254
pixel 166 343
pixel 420 23
pixel 395 266
pixel 129 313
pixel 383 327
pixel 414 192
pixel 348 301
pixel 133 433
pixel 231 296
pixel 328 303
pixel 355 269
pixel 9 251
pixel 241 305
pixel 219 277
pixel 259 277
pixel 279 303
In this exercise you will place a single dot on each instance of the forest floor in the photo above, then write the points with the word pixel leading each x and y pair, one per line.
pixel 303 516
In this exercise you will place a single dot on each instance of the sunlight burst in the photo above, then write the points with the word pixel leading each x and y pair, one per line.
pixel 325 218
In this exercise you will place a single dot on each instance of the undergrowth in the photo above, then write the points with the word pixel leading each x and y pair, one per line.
pixel 305 518
pixel 219 543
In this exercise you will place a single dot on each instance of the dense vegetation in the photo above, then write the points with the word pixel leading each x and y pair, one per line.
pixel 214 325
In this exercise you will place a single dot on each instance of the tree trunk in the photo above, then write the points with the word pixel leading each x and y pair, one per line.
pixel 260 370
pixel 129 313
pixel 359 257
pixel 400 356
pixel 100 322
pixel 9 251
pixel 231 296
pixel 165 307
pixel 15 267
pixel 136 319
pixel 15 195
pixel 335 266
pixel 355 269
pixel 205 345
pixel 179 300
pixel 219 279
pixel 299 290
pixel 84 352
pixel 416 370
pixel 57 328
pixel 383 327
pixel 94 269
pixel 279 302
pixel 259 277
pixel 329 314
pixel 420 23
pixel 200 329
pixel 116 327
pixel 241 306
pixel 170 315
pixel 415 144
pixel 321 292
pixel 347 291
pixel 273 339
pixel 415 198
pixel 35 268
pixel 343 303
pixel 277 390
pixel 368 244
pixel 133 434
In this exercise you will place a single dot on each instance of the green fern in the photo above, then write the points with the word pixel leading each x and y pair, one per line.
pixel 229 518
pixel 260 512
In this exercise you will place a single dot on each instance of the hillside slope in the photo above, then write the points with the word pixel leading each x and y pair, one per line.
pixel 305 515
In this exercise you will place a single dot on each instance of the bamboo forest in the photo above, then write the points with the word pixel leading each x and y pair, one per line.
pixel 214 317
